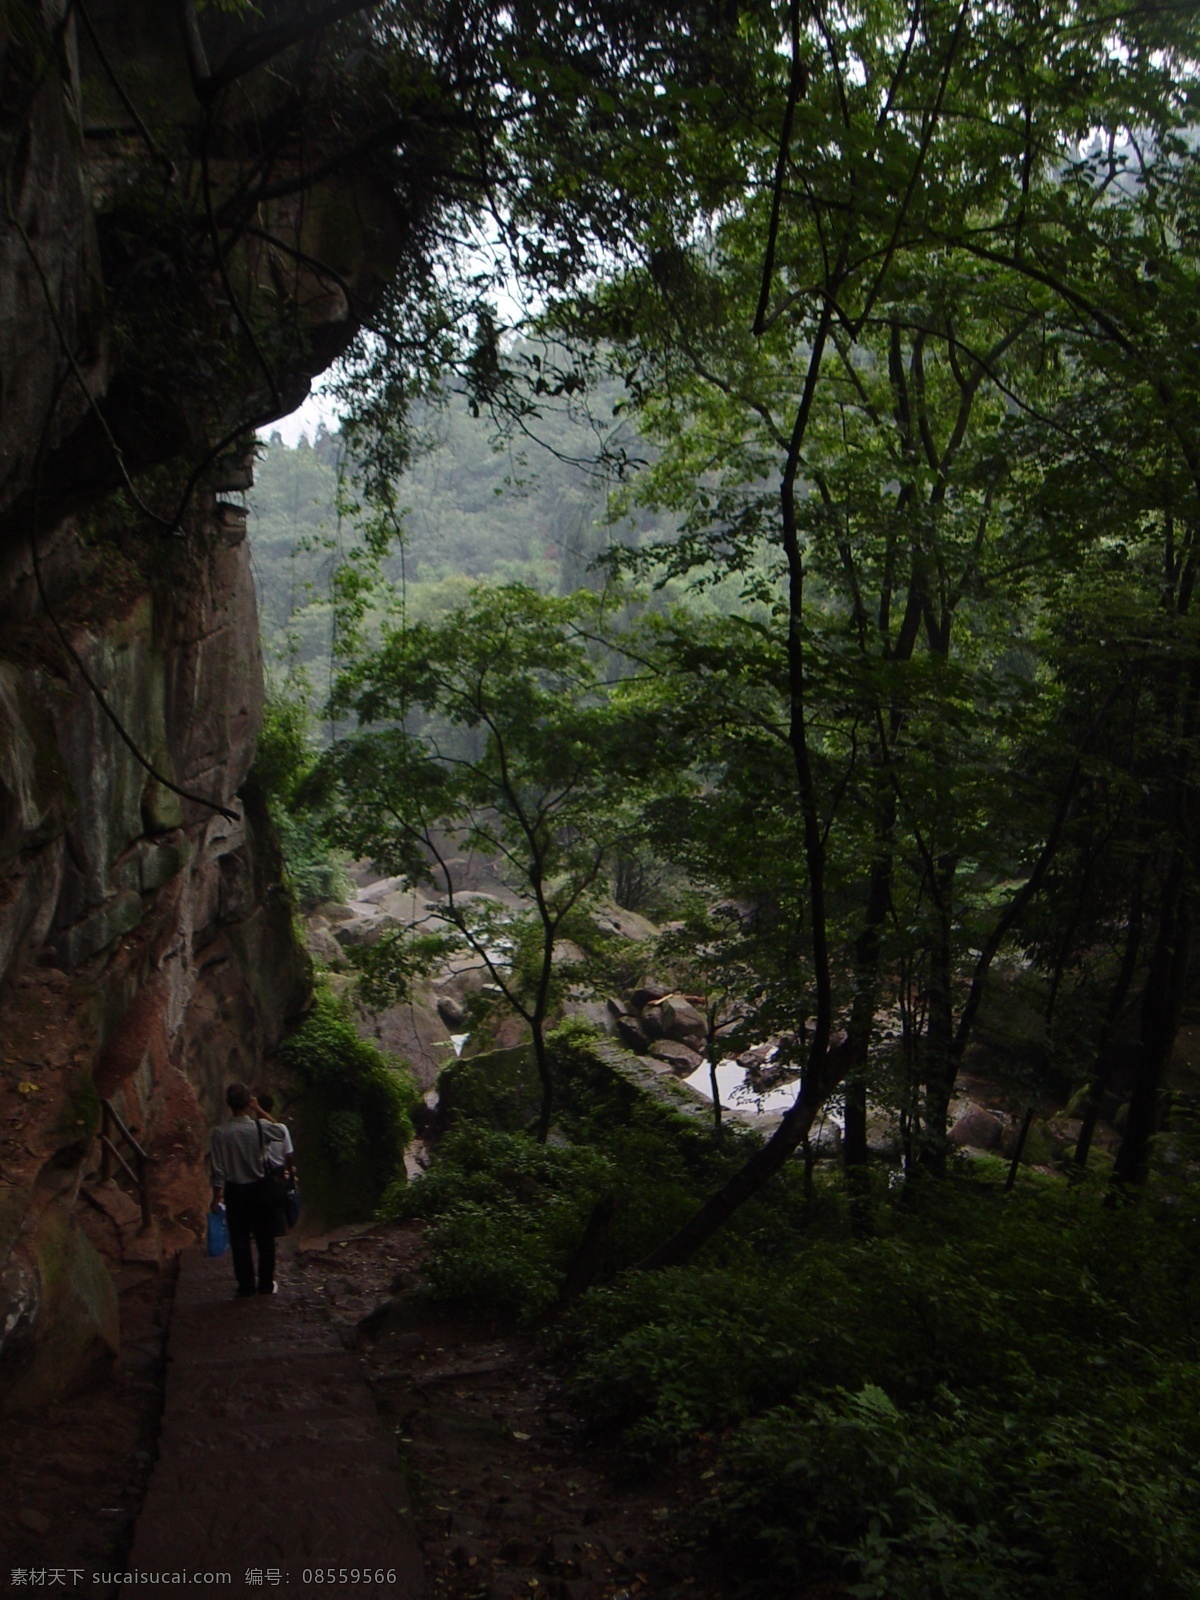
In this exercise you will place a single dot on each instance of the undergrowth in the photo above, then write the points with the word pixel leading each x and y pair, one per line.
pixel 992 1397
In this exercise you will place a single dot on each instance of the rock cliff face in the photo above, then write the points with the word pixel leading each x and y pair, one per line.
pixel 145 942
pixel 146 947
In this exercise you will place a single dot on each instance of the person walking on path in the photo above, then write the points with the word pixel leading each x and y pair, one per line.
pixel 237 1154
pixel 279 1161
pixel 280 1153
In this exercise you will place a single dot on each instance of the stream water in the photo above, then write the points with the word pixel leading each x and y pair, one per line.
pixel 735 1090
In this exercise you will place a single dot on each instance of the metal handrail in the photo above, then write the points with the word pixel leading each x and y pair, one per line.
pixel 110 1120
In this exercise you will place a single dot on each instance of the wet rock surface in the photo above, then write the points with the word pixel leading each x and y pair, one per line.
pixel 157 959
pixel 150 927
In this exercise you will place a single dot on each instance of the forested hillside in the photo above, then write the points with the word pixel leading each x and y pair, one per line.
pixel 475 506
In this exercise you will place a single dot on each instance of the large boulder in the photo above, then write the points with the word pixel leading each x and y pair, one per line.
pixel 376 894
pixel 1043 1144
pixel 633 1035
pixel 497 1087
pixel 678 1056
pixel 594 1011
pixel 452 1012
pixel 825 1140
pixel 321 944
pixel 360 930
pixel 647 994
pixel 673 1017
pixel 415 1032
pixel 463 977
pixel 978 1129
pixel 617 923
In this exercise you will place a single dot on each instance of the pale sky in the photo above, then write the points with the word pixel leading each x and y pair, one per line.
pixel 316 409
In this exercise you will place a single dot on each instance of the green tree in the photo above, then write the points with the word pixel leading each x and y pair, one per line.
pixel 919 240
pixel 496 729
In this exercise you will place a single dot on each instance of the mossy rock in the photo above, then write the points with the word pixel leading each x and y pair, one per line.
pixel 1077 1104
pixel 1041 1146
pixel 499 1088
pixel 159 863
pixel 162 808
pixel 77 1328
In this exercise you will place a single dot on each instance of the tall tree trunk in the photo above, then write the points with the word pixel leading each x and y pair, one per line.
pixel 1162 998
pixel 749 1178
pixel 712 1056
pixel 1116 1002
pixel 1162 1001
pixel 542 1056
pixel 867 951
pixel 941 1056
pixel 854 1132
pixel 824 1068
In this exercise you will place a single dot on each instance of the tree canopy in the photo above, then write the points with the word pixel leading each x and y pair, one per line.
pixel 885 319
pixel 901 302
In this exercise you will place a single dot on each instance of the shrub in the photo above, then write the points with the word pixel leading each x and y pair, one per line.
pixel 507 1215
pixel 957 1502
pixel 994 1398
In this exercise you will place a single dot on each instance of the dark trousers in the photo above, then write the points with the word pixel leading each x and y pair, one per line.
pixel 250 1214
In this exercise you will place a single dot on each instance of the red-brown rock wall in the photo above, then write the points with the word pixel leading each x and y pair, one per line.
pixel 146 945
pixel 198 216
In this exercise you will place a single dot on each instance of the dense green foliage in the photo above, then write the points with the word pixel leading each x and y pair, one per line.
pixel 510 1212
pixel 471 507
pixel 496 730
pixel 994 1395
pixel 906 331
pixel 284 760
pixel 903 303
pixel 910 369
pixel 354 1114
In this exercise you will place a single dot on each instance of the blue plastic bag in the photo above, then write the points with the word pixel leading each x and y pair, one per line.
pixel 291 1204
pixel 218 1232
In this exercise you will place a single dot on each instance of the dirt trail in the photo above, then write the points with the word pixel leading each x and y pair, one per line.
pixel 289 1426
pixel 511 1500
pixel 273 1464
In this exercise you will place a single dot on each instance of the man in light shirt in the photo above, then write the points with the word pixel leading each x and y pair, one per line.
pixel 237 1155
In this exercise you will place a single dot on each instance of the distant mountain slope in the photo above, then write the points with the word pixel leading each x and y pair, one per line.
pixel 472 511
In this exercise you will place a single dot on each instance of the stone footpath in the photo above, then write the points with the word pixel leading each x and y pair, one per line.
pixel 273 1464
